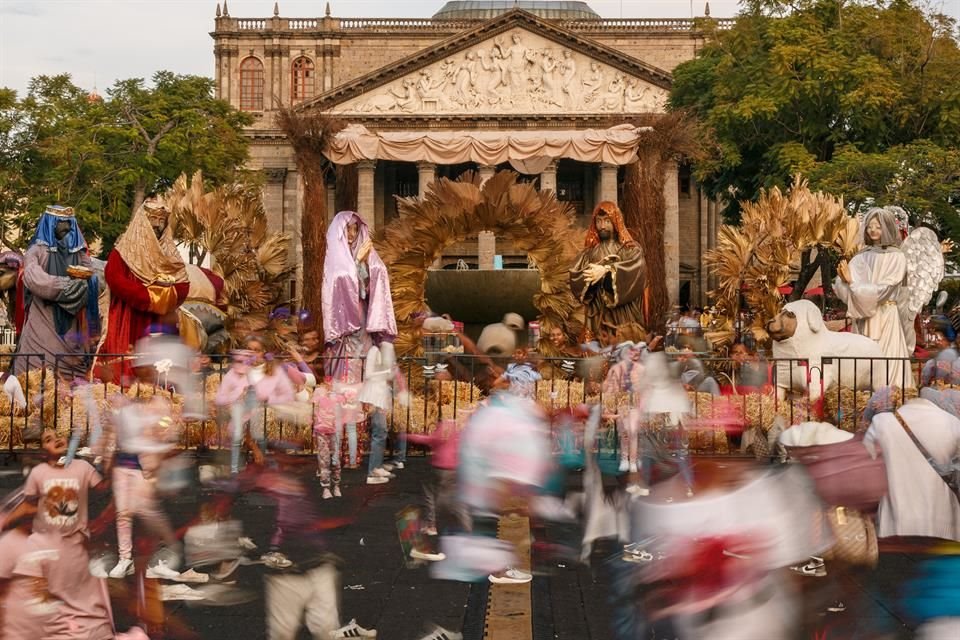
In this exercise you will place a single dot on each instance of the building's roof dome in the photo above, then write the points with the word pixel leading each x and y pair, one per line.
pixel 484 9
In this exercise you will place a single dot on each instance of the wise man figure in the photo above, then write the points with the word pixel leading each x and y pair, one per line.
pixel 57 296
pixel 148 281
pixel 608 276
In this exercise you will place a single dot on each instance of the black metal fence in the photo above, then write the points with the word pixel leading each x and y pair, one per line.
pixel 440 385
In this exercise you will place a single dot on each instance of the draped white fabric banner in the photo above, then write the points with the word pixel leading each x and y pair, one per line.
pixel 616 145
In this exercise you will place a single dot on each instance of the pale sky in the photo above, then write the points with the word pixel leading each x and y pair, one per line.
pixel 100 41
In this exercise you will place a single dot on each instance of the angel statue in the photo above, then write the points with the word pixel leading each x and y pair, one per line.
pixel 887 283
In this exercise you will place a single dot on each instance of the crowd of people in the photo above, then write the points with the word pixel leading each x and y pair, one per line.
pixel 704 548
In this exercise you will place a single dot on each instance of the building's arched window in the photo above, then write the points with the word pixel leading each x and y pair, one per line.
pixel 251 84
pixel 301 87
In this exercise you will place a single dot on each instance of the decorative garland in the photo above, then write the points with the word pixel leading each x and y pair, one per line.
pixel 450 211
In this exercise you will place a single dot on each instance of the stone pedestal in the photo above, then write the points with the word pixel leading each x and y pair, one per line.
pixel 486 249
pixel 548 178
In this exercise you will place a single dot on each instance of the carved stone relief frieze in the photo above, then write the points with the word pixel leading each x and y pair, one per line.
pixel 516 72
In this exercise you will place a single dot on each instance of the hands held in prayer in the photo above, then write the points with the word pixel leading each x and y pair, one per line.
pixel 843 270
pixel 364 251
pixel 594 273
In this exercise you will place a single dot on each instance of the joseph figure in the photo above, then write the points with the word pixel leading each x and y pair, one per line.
pixel 608 277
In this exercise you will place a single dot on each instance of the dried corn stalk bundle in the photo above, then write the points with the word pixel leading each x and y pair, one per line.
pixel 750 410
pixel 421 416
pixel 560 393
pixel 844 407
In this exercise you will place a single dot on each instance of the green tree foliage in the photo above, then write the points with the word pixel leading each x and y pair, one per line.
pixel 863 97
pixel 102 155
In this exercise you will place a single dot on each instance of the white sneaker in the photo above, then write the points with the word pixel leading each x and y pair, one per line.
pixel 192 576
pixel 352 630
pixel 511 576
pixel 633 467
pixel 439 633
pixel 276 560
pixel 396 465
pixel 432 556
pixel 382 473
pixel 377 479
pixel 638 490
pixel 326 493
pixel 246 543
pixel 336 491
pixel 124 568
pixel 162 572
pixel 624 465
pixel 179 592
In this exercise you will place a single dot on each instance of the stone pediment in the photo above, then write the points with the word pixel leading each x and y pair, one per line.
pixel 516 64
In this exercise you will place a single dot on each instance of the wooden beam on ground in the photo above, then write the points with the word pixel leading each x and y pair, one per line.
pixel 509 611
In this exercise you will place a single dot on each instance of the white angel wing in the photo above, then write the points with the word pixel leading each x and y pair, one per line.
pixel 925 269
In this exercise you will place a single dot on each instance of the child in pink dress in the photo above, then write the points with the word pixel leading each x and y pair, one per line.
pixel 623 382
pixel 327 420
pixel 254 380
pixel 350 415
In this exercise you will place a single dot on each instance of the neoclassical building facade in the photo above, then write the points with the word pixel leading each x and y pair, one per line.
pixel 546 88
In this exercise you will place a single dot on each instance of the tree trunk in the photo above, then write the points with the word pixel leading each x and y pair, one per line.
pixel 807 270
pixel 644 211
pixel 139 195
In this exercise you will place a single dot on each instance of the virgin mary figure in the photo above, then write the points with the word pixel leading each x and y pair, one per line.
pixel 355 298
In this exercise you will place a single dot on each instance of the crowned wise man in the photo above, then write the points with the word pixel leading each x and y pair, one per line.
pixel 148 282
pixel 608 277
pixel 58 297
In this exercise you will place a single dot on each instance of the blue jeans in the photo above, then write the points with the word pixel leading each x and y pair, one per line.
pixel 378 439
pixel 400 447
pixel 626 620
pixel 258 431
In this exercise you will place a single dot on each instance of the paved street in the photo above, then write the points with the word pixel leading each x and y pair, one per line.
pixel 569 601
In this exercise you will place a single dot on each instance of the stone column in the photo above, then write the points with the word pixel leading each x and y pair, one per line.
pixel 548 178
pixel 366 199
pixel 608 183
pixel 704 216
pixel 486 172
pixel 671 231
pixel 426 174
pixel 486 249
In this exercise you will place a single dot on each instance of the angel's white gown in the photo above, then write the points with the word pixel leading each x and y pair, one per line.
pixel 871 300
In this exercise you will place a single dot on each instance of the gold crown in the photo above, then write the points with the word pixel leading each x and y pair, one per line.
pixel 155 204
pixel 59 210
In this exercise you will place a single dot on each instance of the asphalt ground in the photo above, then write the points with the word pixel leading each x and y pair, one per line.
pixel 569 600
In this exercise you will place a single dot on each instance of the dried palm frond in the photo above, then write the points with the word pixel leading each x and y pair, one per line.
pixel 230 224
pixel 761 255
pixel 449 212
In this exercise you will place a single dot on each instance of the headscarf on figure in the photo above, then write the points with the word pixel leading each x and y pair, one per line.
pixel 64 253
pixel 52 296
pixel 890 233
pixel 344 294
